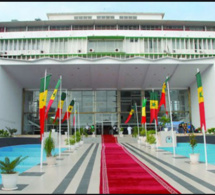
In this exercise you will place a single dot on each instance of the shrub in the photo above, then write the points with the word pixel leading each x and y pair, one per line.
pixel 135 131
pixel 193 141
pixel 71 140
pixel 151 139
pixel 150 132
pixel 11 131
pixel 49 145
pixel 142 132
pixel 164 120
pixel 199 129
pixel 7 166
pixel 4 133
pixel 78 136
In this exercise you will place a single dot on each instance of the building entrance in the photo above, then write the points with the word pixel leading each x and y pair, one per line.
pixel 104 124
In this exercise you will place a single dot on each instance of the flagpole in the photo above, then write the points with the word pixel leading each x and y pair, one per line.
pixel 205 147
pixel 146 131
pixel 75 121
pixel 67 120
pixel 170 114
pixel 137 121
pixel 79 120
pixel 60 118
pixel 41 156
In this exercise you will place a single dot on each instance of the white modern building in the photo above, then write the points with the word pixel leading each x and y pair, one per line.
pixel 107 61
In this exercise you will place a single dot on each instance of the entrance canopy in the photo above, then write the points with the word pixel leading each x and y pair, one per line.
pixel 107 73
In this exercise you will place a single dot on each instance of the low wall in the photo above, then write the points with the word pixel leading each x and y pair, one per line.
pixel 210 139
pixel 11 141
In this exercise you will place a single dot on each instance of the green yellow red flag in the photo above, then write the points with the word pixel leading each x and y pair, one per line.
pixel 60 106
pixel 163 96
pixel 53 97
pixel 154 107
pixel 44 83
pixel 69 110
pixel 130 114
pixel 201 101
pixel 143 119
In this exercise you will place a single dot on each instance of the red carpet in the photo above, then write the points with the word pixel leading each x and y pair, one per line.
pixel 123 173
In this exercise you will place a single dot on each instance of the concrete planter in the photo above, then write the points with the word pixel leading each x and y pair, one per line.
pixel 51 160
pixel 121 134
pixel 165 129
pixel 153 146
pixel 194 158
pixel 9 181
pixel 76 145
pixel 72 148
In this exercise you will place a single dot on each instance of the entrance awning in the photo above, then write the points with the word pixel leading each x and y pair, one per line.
pixel 107 73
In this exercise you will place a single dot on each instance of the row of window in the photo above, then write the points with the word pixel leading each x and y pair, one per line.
pixel 105 17
pixel 107 27
pixel 128 45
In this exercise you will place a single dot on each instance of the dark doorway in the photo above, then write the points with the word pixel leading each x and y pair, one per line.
pixel 107 128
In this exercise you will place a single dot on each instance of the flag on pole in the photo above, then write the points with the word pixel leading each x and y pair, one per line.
pixel 163 96
pixel 60 106
pixel 44 83
pixel 154 107
pixel 143 119
pixel 130 114
pixel 53 97
pixel 68 112
pixel 201 100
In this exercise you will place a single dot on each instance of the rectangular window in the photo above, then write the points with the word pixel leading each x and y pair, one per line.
pixel 182 44
pixel 1 45
pixel 15 45
pixel 209 44
pixel 213 43
pixel 24 45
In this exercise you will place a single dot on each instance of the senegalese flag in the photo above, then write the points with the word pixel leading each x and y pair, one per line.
pixel 130 114
pixel 201 101
pixel 44 83
pixel 60 106
pixel 53 97
pixel 68 112
pixel 154 107
pixel 143 119
pixel 163 96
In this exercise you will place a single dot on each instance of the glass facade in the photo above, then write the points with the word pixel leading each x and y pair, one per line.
pixel 104 109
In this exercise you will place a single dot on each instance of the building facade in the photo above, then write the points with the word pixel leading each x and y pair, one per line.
pixel 107 61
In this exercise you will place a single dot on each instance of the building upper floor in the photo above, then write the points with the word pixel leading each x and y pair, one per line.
pixel 119 35
pixel 105 21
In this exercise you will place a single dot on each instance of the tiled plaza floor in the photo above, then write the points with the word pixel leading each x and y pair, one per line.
pixel 79 172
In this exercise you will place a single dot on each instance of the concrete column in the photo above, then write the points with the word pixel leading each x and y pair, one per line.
pixel 119 108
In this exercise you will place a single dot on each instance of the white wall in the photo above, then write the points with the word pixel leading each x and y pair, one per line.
pixel 10 102
pixel 208 83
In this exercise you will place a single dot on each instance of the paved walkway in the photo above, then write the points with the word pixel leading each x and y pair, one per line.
pixel 79 172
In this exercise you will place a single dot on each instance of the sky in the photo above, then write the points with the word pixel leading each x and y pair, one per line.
pixel 28 11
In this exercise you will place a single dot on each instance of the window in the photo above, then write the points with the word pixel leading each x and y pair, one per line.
pixel 83 17
pixel 150 27
pixel 128 17
pixel 37 28
pixel 60 27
